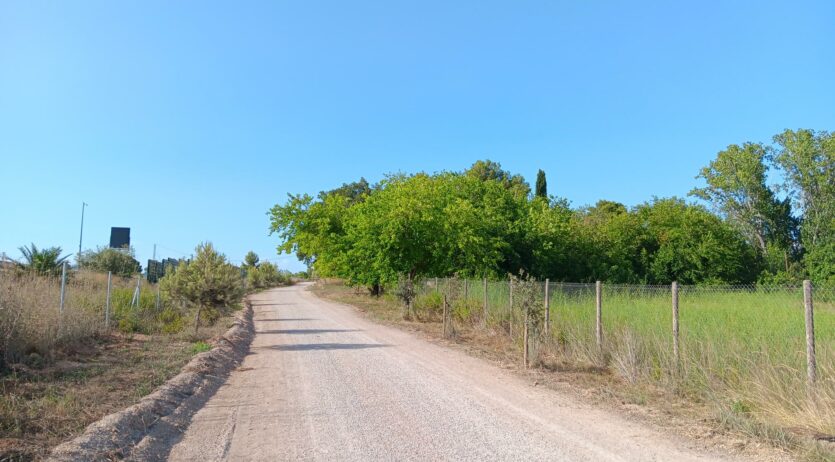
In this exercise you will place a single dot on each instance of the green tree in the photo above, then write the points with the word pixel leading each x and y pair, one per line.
pixel 807 159
pixel 45 262
pixel 251 260
pixel 541 184
pixel 488 170
pixel 208 283
pixel 266 275
pixel 736 187
pixel 694 246
pixel 103 259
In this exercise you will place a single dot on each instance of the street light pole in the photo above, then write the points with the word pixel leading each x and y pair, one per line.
pixel 81 234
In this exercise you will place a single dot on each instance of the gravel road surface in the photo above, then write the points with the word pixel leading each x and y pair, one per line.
pixel 323 383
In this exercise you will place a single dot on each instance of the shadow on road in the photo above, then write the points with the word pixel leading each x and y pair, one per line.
pixel 326 346
pixel 304 331
pixel 288 319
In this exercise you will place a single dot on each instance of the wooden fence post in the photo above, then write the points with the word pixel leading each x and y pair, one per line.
pixel 676 352
pixel 510 305
pixel 525 338
pixel 598 289
pixel 446 317
pixel 63 287
pixel 811 362
pixel 466 290
pixel 547 306
pixel 107 300
pixel 443 328
pixel 485 303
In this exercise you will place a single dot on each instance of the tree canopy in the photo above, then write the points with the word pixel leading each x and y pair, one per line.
pixel 486 222
pixel 119 262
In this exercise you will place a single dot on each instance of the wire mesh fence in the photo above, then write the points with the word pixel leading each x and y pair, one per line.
pixel 731 335
pixel 37 313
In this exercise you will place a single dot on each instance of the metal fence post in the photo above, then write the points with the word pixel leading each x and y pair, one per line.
pixel 135 300
pixel 107 300
pixel 811 362
pixel 598 289
pixel 63 286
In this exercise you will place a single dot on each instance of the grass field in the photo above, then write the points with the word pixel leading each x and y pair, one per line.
pixel 742 349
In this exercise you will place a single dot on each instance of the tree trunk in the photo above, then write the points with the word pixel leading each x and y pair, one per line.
pixel 197 319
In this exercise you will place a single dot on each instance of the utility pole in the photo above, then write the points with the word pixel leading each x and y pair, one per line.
pixel 81 234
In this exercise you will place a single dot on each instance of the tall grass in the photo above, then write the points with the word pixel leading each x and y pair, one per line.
pixel 33 328
pixel 741 348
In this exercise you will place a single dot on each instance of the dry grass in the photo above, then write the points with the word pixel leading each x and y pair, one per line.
pixel 62 370
pixel 40 408
pixel 753 389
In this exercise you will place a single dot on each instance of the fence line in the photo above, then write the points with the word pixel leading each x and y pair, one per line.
pixel 632 311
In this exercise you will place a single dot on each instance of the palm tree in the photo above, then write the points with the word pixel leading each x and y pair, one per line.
pixel 45 262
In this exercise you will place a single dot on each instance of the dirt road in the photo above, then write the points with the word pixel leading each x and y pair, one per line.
pixel 322 383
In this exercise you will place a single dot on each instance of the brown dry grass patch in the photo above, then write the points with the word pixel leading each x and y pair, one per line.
pixel 99 375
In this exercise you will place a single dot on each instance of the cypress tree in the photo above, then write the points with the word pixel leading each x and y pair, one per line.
pixel 541 185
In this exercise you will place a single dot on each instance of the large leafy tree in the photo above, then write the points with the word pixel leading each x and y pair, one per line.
pixel 694 246
pixel 736 187
pixel 45 262
pixel 807 159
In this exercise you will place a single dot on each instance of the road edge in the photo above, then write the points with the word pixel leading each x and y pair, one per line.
pixel 115 436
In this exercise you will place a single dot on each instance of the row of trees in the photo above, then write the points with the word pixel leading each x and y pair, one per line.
pixel 486 222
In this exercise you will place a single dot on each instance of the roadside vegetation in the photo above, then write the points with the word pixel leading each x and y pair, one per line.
pixel 64 369
pixel 484 222
pixel 739 251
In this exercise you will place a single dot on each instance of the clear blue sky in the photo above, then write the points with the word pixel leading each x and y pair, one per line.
pixel 187 120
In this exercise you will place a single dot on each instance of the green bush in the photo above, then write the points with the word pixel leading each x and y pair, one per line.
pixel 200 347
pixel 208 284
pixel 265 275
pixel 430 303
pixel 172 321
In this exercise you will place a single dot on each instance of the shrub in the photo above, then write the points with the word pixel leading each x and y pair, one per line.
pixel 265 275
pixel 208 284
pixel 103 259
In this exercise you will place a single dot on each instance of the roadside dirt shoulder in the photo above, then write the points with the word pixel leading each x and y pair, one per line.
pixel 146 430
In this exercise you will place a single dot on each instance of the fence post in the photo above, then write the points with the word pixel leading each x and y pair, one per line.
pixel 107 300
pixel 63 286
pixel 811 362
pixel 485 302
pixel 446 317
pixel 510 305
pixel 547 305
pixel 437 287
pixel 598 289
pixel 676 352
pixel 525 338
pixel 158 298
pixel 466 290
pixel 134 302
